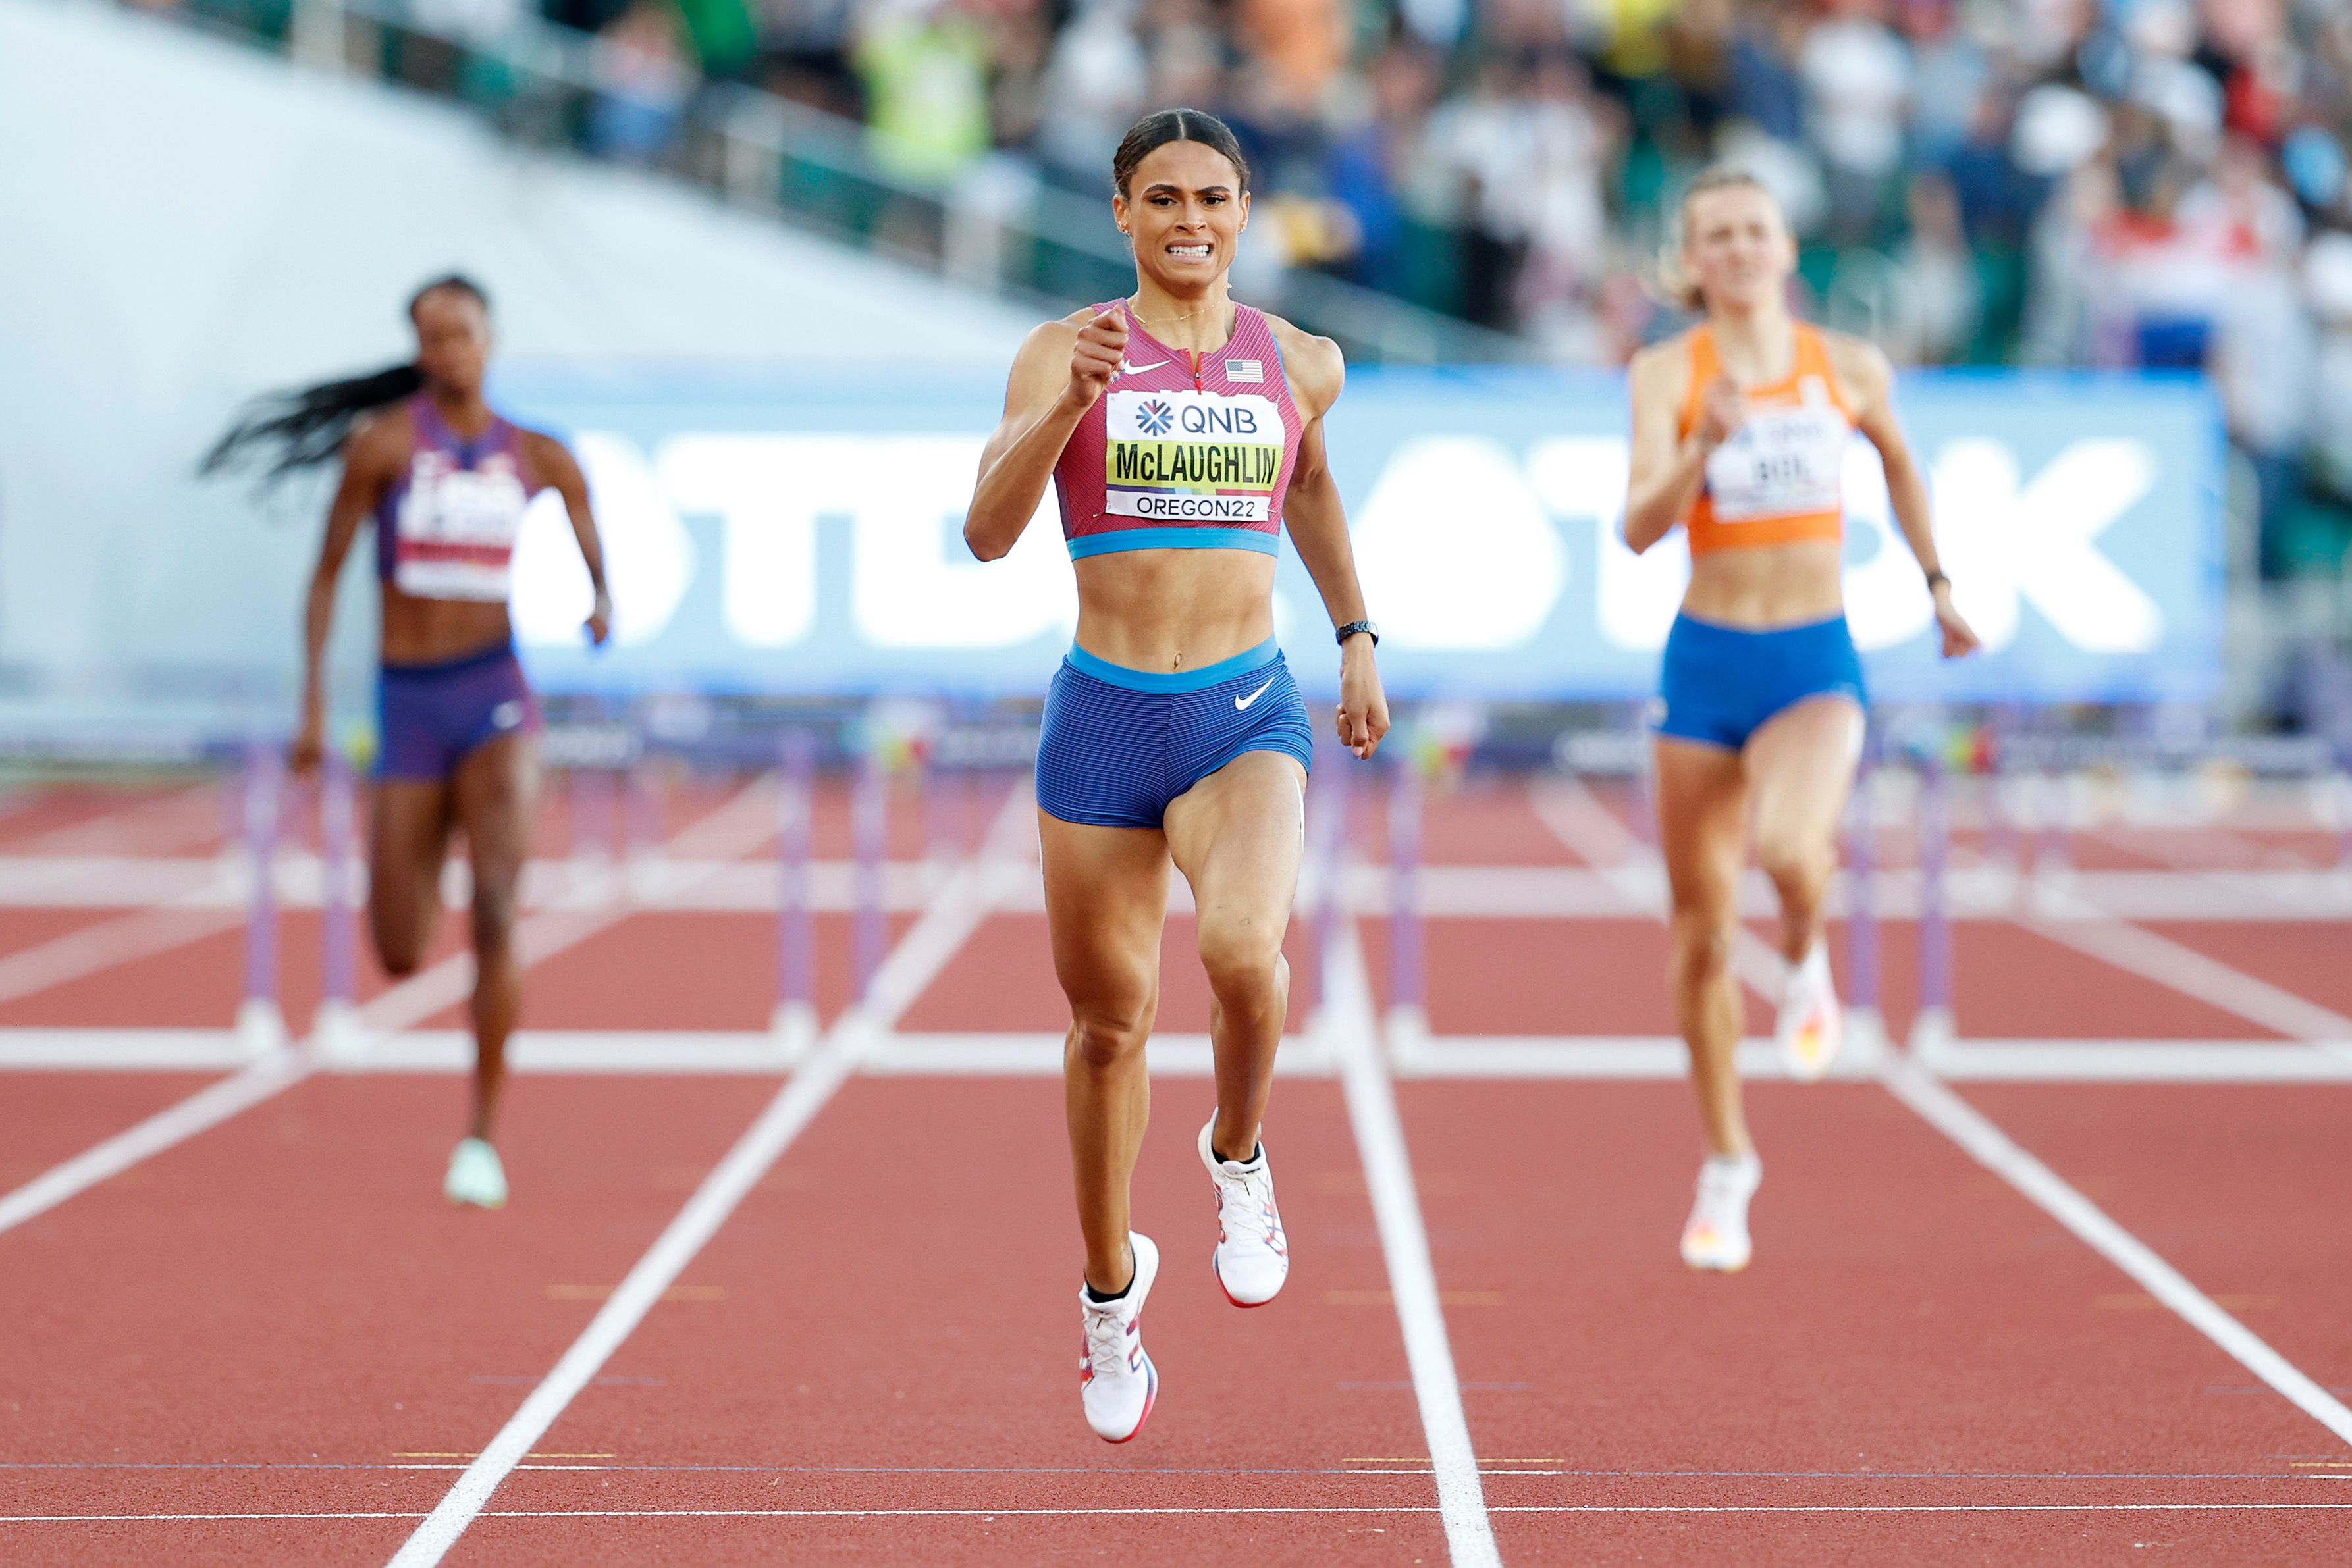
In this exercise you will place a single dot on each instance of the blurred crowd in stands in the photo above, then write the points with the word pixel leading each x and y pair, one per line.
pixel 2159 183
pixel 2153 183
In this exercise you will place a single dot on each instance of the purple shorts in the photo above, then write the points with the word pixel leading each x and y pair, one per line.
pixel 432 716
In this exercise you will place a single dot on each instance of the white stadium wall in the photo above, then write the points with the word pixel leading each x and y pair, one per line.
pixel 184 222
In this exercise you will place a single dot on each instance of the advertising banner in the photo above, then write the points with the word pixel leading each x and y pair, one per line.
pixel 804 536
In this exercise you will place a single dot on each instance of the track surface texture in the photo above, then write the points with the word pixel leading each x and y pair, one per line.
pixel 266 1340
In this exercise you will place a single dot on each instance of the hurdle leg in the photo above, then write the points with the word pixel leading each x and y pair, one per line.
pixel 794 1021
pixel 1408 1018
pixel 1933 1029
pixel 1327 827
pixel 260 1027
pixel 1865 1023
pixel 335 1032
pixel 870 829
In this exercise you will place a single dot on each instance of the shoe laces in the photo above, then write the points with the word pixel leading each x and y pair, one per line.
pixel 1250 1191
pixel 1107 1338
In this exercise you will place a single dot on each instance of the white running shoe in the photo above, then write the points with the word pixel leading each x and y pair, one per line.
pixel 1812 1025
pixel 1715 1235
pixel 1116 1382
pixel 475 1177
pixel 1253 1255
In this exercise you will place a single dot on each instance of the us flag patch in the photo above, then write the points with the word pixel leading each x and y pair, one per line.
pixel 1244 370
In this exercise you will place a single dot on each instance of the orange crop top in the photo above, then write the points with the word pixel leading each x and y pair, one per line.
pixel 1778 480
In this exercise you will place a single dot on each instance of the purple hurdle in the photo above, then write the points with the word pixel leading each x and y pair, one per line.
pixel 1932 1027
pixel 335 1028
pixel 260 1027
pixel 1865 1024
pixel 1408 1019
pixel 794 1023
pixel 869 829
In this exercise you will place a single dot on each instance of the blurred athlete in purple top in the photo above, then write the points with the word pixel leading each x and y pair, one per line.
pixel 445 480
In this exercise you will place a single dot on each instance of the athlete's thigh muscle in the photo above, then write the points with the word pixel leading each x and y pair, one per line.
pixel 496 791
pixel 1106 901
pixel 409 838
pixel 1800 768
pixel 1702 808
pixel 1238 836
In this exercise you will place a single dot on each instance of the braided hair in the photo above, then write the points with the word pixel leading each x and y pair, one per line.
pixel 291 431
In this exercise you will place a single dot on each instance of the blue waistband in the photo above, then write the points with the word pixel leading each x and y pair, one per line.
pixel 458 665
pixel 1155 538
pixel 1798 630
pixel 1207 676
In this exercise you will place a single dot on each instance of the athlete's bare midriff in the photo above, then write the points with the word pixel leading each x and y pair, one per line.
pixel 435 630
pixel 1768 585
pixel 1170 610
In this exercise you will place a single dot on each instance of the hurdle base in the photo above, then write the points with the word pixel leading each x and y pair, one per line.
pixel 336 1036
pixel 1932 1037
pixel 1406 1031
pixel 794 1028
pixel 260 1027
pixel 1865 1051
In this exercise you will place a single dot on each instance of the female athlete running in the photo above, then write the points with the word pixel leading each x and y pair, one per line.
pixel 1740 431
pixel 447 480
pixel 1180 431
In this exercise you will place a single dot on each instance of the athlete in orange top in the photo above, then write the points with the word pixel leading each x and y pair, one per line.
pixel 1741 428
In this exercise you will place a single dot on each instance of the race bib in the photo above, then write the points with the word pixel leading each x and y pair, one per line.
pixel 1784 460
pixel 1192 456
pixel 457 528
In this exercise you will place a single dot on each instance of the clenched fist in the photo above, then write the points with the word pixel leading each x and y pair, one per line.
pixel 1095 357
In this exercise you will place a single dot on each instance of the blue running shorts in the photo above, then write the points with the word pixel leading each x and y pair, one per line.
pixel 431 718
pixel 1118 745
pixel 1720 684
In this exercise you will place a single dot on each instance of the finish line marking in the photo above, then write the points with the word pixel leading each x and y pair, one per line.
pixel 1359 1511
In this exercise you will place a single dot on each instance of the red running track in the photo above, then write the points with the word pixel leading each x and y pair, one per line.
pixel 1913 1334
pixel 278 1317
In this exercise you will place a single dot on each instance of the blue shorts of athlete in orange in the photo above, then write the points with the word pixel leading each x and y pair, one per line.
pixel 1718 684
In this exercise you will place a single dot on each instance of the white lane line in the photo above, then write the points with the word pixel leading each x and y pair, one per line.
pixel 96 948
pixel 1994 1149
pixel 2141 1061
pixel 1374 1508
pixel 2136 950
pixel 1404 1242
pixel 208 1107
pixel 917 959
pixel 1016 1054
pixel 1975 892
pixel 152 824
pixel 1960 1122
pixel 1578 818
pixel 743 820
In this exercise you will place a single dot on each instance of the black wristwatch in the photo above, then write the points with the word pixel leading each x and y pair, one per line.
pixel 1935 577
pixel 1366 627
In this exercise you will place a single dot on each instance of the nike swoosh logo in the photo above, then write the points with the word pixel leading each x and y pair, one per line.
pixel 1128 368
pixel 1241 703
